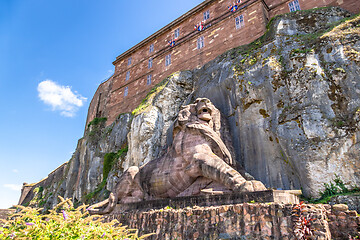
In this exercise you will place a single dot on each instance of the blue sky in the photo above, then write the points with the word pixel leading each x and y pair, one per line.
pixel 53 56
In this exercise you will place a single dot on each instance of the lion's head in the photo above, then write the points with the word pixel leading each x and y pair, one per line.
pixel 202 111
pixel 205 117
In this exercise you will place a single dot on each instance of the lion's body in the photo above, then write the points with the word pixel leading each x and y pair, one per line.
pixel 197 152
pixel 168 176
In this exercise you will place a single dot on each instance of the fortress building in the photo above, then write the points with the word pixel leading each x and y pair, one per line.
pixel 195 38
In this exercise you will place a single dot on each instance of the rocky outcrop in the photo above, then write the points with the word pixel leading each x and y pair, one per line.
pixel 293 103
pixel 352 201
pixel 291 99
pixel 151 128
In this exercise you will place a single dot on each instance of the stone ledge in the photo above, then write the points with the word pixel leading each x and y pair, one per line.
pixel 278 196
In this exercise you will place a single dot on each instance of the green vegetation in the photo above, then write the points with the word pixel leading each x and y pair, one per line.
pixel 97 121
pixel 336 187
pixel 109 161
pixel 110 158
pixel 342 27
pixel 335 29
pixel 62 222
pixel 97 125
pixel 340 70
pixel 305 50
pixel 150 96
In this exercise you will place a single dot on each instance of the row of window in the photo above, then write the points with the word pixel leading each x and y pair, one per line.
pixel 148 82
pixel 239 23
pixel 176 35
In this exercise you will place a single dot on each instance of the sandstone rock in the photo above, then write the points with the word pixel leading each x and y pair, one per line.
pixel 149 130
pixel 291 101
pixel 292 104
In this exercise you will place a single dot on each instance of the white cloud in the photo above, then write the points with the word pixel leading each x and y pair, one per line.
pixel 14 187
pixel 15 171
pixel 60 98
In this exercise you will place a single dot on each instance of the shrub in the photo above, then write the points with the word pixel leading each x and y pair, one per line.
pixel 109 161
pixel 63 222
pixel 97 121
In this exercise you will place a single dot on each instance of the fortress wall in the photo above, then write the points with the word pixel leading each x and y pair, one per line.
pixel 98 105
pixel 241 221
pixel 218 38
pixel 109 100
pixel 27 191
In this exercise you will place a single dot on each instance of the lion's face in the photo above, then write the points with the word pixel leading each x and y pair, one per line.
pixel 201 110
pixel 204 111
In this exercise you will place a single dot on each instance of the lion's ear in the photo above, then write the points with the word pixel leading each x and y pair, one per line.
pixel 184 115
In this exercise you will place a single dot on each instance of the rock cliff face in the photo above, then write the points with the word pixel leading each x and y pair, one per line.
pixel 291 99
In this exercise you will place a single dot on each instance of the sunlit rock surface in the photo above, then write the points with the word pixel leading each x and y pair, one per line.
pixel 291 100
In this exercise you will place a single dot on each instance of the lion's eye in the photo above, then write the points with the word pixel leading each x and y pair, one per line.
pixel 205 110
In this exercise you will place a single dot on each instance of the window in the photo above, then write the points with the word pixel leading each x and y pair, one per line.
pixel 206 15
pixel 148 82
pixel 127 75
pixel 150 63
pixel 126 91
pixel 294 6
pixel 151 48
pixel 176 33
pixel 167 60
pixel 239 22
pixel 200 42
pixel 129 61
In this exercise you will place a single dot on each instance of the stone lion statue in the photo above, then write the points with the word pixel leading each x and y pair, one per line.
pixel 197 157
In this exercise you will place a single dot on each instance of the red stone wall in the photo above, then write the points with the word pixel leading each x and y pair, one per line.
pixel 241 221
pixel 98 104
pixel 222 35
pixel 218 38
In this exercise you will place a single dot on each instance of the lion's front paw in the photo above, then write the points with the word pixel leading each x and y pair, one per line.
pixel 251 186
pixel 92 210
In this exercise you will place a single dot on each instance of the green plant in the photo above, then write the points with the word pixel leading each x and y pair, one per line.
pixel 339 124
pixel 305 50
pixel 147 100
pixel 63 222
pixel 252 61
pixel 109 161
pixel 97 121
pixel 334 188
pixel 340 70
pixel 110 158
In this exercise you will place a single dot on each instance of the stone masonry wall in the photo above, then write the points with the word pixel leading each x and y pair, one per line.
pixel 241 221
pixel 185 55
pixel 221 35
